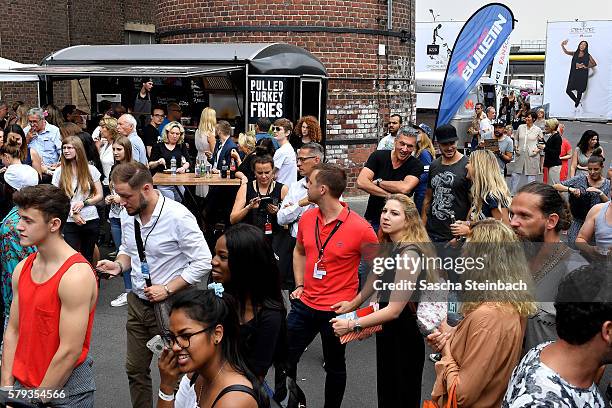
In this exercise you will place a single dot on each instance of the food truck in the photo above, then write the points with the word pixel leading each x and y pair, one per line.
pixel 241 81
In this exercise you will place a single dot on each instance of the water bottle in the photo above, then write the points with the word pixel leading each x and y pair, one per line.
pixel 224 169
pixel 197 170
pixel 173 165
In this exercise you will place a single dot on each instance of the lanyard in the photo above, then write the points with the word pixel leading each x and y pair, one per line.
pixel 320 247
pixel 139 244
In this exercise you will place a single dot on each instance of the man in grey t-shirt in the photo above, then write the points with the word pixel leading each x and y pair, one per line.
pixel 506 145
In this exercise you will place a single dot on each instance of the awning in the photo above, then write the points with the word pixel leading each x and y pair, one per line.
pixel 121 70
pixel 7 65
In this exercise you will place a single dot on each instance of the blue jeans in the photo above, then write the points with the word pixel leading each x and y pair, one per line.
pixel 115 224
pixel 303 324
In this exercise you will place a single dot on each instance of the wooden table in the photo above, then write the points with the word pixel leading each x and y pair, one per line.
pixel 189 179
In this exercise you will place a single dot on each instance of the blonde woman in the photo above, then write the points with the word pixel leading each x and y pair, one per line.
pixel 426 153
pixel 246 144
pixel 108 134
pixel 399 346
pixel 205 140
pixel 489 192
pixel 479 356
pixel 171 146
pixel 527 154
pixel 80 181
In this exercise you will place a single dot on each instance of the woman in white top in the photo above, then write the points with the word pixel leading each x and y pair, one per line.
pixel 204 140
pixel 80 181
pixel 122 153
pixel 527 157
pixel 108 134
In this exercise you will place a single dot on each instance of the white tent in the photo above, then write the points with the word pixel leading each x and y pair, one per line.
pixel 7 66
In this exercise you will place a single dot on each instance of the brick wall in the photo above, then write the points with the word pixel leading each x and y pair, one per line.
pixel 363 87
pixel 32 29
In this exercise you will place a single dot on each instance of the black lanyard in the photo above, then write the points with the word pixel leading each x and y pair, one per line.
pixel 139 244
pixel 320 247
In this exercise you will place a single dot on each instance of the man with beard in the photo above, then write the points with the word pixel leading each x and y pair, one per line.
pixel 387 142
pixel 538 214
pixel 174 253
pixel 389 172
pixel 448 189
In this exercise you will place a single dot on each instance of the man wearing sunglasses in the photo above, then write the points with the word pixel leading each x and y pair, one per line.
pixel 285 162
pixel 174 115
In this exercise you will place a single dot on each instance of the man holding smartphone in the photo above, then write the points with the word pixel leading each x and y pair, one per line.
pixel 46 343
pixel 175 257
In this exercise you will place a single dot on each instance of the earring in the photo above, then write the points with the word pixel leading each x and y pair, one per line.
pixel 216 342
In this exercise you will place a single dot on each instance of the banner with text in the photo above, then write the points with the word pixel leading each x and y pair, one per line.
pixel 578 81
pixel 267 98
pixel 434 41
pixel 500 63
pixel 479 40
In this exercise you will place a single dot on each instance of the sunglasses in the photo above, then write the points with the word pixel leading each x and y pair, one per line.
pixel 278 128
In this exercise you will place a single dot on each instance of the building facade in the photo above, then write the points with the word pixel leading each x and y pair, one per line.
pixel 32 29
pixel 366 46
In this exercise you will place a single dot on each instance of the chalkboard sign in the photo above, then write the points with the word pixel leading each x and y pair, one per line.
pixel 267 98
pixel 492 145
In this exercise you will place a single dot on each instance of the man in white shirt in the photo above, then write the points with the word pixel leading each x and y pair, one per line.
pixel 388 142
pixel 284 157
pixel 177 257
pixel 126 126
pixel 296 201
pixel 486 125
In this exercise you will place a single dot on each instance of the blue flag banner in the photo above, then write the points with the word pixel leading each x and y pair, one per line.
pixel 477 44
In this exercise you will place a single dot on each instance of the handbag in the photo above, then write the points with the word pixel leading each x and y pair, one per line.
pixel 451 399
pixel 430 313
pixel 160 309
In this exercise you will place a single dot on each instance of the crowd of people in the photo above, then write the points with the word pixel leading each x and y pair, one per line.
pixel 283 258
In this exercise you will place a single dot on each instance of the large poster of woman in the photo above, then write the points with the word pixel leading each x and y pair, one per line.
pixel 577 74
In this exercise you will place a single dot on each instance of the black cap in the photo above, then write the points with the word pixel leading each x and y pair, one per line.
pixel 446 134
pixel 499 123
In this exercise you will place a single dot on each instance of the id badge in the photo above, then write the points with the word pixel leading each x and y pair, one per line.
pixel 319 269
pixel 268 228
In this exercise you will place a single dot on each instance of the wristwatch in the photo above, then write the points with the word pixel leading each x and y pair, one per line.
pixel 357 327
pixel 168 291
pixel 377 181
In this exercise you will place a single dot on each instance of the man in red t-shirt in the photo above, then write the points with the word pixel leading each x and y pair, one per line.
pixel 330 242
pixel 55 290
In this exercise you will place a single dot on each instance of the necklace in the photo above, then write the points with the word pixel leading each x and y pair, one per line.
pixel 550 263
pixel 210 384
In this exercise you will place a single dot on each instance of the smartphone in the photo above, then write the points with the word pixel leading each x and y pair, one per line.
pixel 103 274
pixel 156 345
pixel 266 200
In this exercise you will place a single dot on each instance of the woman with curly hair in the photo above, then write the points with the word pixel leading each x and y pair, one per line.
pixel 307 130
pixel 479 355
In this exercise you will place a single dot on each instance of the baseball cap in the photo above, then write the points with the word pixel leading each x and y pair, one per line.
pixel 19 176
pixel 446 134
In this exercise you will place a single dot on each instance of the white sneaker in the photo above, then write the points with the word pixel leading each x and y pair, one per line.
pixel 120 300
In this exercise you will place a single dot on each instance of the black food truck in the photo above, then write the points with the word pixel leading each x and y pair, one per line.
pixel 241 81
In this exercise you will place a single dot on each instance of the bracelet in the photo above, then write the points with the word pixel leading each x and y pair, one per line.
pixel 120 266
pixel 168 291
pixel 165 397
pixel 299 286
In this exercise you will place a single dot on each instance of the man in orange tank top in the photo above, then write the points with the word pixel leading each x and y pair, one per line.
pixel 55 291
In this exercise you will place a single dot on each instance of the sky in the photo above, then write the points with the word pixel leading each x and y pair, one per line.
pixel 531 15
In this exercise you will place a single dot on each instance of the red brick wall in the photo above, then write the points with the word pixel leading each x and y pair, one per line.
pixel 32 29
pixel 361 89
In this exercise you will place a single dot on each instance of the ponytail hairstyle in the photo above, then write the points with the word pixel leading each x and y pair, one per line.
pixel 212 310
pixel 16 129
pixel 11 148
pixel 597 156
pixel 551 202
pixel 265 147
